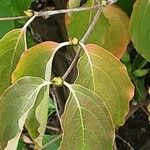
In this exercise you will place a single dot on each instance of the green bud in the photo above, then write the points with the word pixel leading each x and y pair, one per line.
pixel 73 41
pixel 29 13
pixel 58 81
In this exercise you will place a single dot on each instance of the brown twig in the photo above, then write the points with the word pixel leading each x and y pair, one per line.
pixel 128 144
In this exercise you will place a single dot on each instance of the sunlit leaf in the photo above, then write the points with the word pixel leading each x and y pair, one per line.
pixel 33 63
pixel 140 27
pixel 34 60
pixel 110 32
pixel 103 73
pixel 11 47
pixel 15 105
pixel 86 121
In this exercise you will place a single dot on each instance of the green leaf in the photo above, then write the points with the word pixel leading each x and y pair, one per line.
pixel 140 27
pixel 139 62
pixel 103 73
pixel 140 91
pixel 110 31
pixel 37 118
pixel 6 11
pixel 74 3
pixel 126 58
pixel 11 47
pixel 141 72
pixel 33 63
pixel 15 105
pixel 126 5
pixel 55 145
pixel 21 145
pixel 86 122
pixel 20 5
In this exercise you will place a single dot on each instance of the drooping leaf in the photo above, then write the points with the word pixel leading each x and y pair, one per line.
pixel 34 60
pixel 33 63
pixel 86 121
pixel 6 11
pixel 37 118
pixel 140 27
pixel 15 105
pixel 110 32
pixel 20 5
pixel 11 47
pixel 103 73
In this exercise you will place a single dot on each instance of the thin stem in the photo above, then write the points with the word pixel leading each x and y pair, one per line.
pixel 53 129
pixel 29 21
pixel 13 18
pixel 50 142
pixel 25 28
pixel 62 11
pixel 55 103
pixel 72 64
pixel 145 110
pixel 131 148
pixel 52 12
pixel 84 38
pixel 92 25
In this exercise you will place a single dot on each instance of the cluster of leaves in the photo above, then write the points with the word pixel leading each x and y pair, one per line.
pixel 99 97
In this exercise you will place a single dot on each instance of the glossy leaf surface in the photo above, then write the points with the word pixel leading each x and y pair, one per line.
pixel 140 27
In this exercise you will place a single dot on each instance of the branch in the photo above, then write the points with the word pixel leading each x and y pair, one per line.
pixel 83 40
pixel 128 144
pixel 91 27
pixel 63 11
pixel 52 12
pixel 88 32
pixel 13 18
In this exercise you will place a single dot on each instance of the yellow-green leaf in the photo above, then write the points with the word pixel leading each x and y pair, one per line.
pixel 110 31
pixel 15 104
pixel 140 27
pixel 74 3
pixel 37 117
pixel 34 60
pixel 103 73
pixel 11 47
pixel 33 63
pixel 86 122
